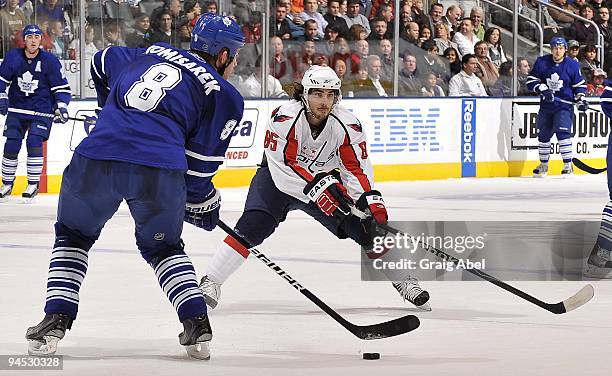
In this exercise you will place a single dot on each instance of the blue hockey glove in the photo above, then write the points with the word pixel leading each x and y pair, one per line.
pixel 4 104
pixel 581 104
pixel 546 94
pixel 204 214
pixel 61 113
pixel 89 122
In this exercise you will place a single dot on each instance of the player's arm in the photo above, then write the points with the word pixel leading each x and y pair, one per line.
pixel 534 83
pixel 579 88
pixel 100 77
pixel 606 99
pixel 6 76
pixel 205 152
pixel 58 84
pixel 357 175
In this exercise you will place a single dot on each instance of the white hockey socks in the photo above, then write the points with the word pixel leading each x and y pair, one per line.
pixel 544 151
pixel 565 147
pixel 228 258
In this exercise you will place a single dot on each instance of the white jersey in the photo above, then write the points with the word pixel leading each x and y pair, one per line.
pixel 294 157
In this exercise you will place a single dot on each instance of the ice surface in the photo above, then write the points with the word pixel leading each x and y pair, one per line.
pixel 264 327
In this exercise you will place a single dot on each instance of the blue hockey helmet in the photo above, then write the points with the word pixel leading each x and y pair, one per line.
pixel 31 30
pixel 558 41
pixel 212 33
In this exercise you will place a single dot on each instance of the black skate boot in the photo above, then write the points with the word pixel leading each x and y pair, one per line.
pixel 410 290
pixel 43 338
pixel 196 337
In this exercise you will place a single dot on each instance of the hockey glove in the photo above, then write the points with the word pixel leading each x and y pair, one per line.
pixel 4 104
pixel 546 94
pixel 329 195
pixel 581 104
pixel 61 113
pixel 204 214
pixel 373 203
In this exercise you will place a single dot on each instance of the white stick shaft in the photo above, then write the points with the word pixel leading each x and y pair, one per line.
pixel 29 112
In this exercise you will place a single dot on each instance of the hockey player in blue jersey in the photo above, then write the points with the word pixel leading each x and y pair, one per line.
pixel 36 83
pixel 599 264
pixel 166 121
pixel 558 81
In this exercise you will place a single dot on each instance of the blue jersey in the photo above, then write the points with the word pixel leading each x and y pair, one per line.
pixel 606 100
pixel 564 79
pixel 163 107
pixel 36 84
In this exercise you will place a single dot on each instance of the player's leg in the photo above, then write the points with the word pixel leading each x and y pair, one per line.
pixel 544 124
pixel 363 233
pixel 87 200
pixel 265 208
pixel 563 129
pixel 599 263
pixel 156 199
pixel 14 133
pixel 34 143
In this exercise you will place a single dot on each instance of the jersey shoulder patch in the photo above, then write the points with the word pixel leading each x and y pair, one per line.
pixel 286 112
pixel 347 118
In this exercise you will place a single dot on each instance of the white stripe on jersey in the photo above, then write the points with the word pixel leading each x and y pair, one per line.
pixel 205 158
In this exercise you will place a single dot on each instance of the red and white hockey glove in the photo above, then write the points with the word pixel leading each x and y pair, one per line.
pixel 329 195
pixel 373 203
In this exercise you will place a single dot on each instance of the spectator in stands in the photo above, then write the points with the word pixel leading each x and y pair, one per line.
pixel 595 84
pixel 442 38
pixel 250 87
pixel 465 38
pixel 452 56
pixel 452 19
pixel 311 31
pixel 328 45
pixel 430 86
pixel 466 83
pixel 383 87
pixel 411 35
pixel 503 86
pixel 376 6
pixel 424 35
pixel 357 32
pixel 302 60
pixel 589 62
pixel 113 36
pixel 12 20
pixel 280 67
pixel 496 51
pixel 409 82
pixel 360 52
pixel 166 32
pixel 603 18
pixel 385 52
pixel 56 32
pixel 431 60
pixel 598 4
pixel 142 31
pixel 573 49
pixel 417 11
pixel 354 17
pixel 563 20
pixel 252 28
pixel 171 7
pixel 311 12
pixel 334 18
pixel 379 29
pixel 343 7
pixel 343 53
pixel 577 4
pixel 476 15
pixel 584 32
pixel 90 47
pixel 523 69
pixel 549 25
pixel 279 25
pixel 405 17
pixel 436 12
pixel 51 9
pixel 361 86
pixel 211 7
pixel 485 70
pixel 386 12
pixel 340 69
pixel 297 6
pixel 192 10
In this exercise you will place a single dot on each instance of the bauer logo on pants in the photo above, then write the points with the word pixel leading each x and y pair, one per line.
pixel 468 138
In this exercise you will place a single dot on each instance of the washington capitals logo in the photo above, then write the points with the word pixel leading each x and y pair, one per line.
pixel 355 127
pixel 279 118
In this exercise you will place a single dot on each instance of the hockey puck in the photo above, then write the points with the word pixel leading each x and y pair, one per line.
pixel 371 356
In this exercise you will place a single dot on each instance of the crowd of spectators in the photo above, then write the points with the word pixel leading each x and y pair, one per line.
pixel 444 50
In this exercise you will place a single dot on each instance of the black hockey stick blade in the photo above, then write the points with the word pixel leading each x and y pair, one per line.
pixel 586 168
pixel 385 329
pixel 575 301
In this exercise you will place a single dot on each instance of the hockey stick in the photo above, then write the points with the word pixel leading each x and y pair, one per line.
pixel 586 168
pixel 367 332
pixel 574 103
pixel 577 300
pixel 36 113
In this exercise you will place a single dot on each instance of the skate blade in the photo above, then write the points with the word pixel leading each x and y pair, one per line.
pixel 200 350
pixel 540 176
pixel 28 200
pixel 592 271
pixel 210 302
pixel 4 199
pixel 43 348
pixel 425 307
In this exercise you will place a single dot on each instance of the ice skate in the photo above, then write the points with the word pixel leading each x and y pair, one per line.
pixel 196 337
pixel 211 291
pixel 599 263
pixel 411 291
pixel 5 192
pixel 43 338
pixel 540 171
pixel 30 192
pixel 568 169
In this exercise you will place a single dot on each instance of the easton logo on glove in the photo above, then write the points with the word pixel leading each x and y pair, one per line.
pixel 326 191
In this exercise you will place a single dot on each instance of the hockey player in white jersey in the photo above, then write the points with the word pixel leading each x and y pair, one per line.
pixel 316 160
